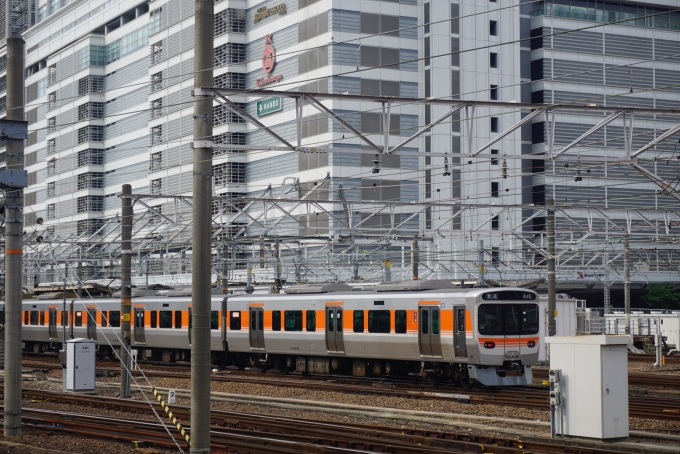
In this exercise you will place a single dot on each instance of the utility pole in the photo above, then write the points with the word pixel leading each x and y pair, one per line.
pixel 387 270
pixel 201 256
pixel 551 267
pixel 626 281
pixel 278 285
pixel 261 254
pixel 414 257
pixel 14 238
pixel 125 291
pixel 225 270
pixel 480 264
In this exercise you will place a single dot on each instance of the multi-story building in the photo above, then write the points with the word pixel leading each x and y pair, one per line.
pixel 108 88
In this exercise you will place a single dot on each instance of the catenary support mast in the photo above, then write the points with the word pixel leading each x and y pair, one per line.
pixel 14 237
pixel 551 267
pixel 202 231
pixel 125 290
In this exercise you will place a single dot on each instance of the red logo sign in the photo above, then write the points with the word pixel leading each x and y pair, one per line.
pixel 268 55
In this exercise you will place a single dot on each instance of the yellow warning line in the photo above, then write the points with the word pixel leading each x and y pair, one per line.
pixel 159 397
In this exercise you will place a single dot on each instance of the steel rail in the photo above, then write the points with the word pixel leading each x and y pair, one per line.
pixel 266 434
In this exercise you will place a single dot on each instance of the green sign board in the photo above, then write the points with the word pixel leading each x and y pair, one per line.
pixel 267 106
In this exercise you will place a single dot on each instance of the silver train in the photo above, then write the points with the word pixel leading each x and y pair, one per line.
pixel 484 336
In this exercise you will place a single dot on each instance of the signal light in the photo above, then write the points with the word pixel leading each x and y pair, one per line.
pixel 531 344
pixel 489 345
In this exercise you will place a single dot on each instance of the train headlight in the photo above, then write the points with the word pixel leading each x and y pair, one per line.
pixel 489 344
pixel 531 344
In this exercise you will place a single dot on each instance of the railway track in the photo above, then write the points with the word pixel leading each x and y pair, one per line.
pixel 673 359
pixel 634 379
pixel 246 432
pixel 525 397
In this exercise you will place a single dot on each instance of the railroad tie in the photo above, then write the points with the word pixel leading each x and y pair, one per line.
pixel 159 397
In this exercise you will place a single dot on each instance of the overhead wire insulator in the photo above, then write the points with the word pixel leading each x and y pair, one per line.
pixel 577 177
pixel 447 171
pixel 504 169
pixel 376 164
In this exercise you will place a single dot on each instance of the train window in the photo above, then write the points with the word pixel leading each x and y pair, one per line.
pixel 292 320
pixel 400 322
pixel 460 323
pixel 311 320
pixel 529 318
pixel 165 319
pixel 64 318
pixel 139 319
pixel 154 319
pixel 379 321
pixel 511 318
pixel 2 317
pixel 508 319
pixel 435 321
pixel 490 321
pixel 235 320
pixel 41 314
pixel 79 319
pixel 358 321
pixel 34 317
pixel 104 319
pixel 214 319
pixel 253 320
pixel 25 317
pixel 330 322
pixel 114 319
pixel 424 322
pixel 338 324
pixel 178 319
pixel 276 320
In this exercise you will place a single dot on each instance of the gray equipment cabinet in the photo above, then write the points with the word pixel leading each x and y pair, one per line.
pixel 80 365
pixel 593 385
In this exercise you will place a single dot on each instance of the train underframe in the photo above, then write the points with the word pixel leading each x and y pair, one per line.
pixel 463 374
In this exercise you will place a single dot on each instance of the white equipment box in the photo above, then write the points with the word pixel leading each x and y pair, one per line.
pixel 80 365
pixel 593 386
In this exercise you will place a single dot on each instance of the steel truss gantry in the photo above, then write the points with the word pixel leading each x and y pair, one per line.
pixel 580 232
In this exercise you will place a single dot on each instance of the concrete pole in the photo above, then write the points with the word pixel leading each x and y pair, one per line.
pixel 480 264
pixel 14 237
pixel 125 291
pixel 414 257
pixel 261 254
pixel 201 256
pixel 249 279
pixel 551 268
pixel 387 270
pixel 225 270
pixel 626 281
pixel 278 285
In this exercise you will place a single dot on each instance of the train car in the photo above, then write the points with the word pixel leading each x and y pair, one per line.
pixel 159 326
pixel 471 335
pixel 484 336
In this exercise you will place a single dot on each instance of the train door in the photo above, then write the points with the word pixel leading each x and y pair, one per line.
pixel 429 331
pixel 52 323
pixel 256 327
pixel 511 318
pixel 459 332
pixel 140 337
pixel 92 323
pixel 334 334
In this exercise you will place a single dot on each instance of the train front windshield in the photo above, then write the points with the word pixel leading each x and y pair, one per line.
pixel 509 317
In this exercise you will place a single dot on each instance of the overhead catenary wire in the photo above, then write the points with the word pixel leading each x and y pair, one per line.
pixel 298 82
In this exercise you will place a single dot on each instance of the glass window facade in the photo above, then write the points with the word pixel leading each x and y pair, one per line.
pixel 598 11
